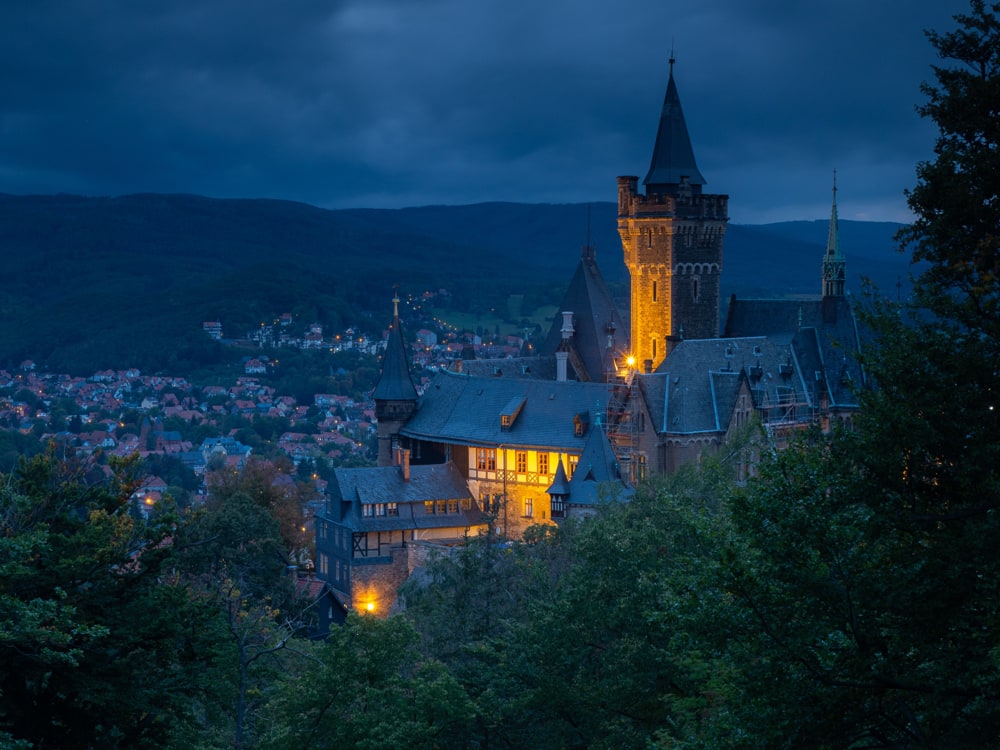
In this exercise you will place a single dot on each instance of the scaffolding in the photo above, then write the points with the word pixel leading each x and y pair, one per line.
pixel 620 422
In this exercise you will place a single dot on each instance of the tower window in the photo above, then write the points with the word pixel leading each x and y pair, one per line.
pixel 654 347
pixel 695 291
pixel 654 291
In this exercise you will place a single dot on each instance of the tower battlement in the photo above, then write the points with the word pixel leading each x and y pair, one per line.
pixel 686 203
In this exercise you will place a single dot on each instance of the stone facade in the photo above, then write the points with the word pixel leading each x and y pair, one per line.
pixel 673 251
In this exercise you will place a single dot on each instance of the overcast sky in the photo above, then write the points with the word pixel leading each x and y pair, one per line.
pixel 390 103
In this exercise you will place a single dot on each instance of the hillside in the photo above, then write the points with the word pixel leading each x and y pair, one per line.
pixel 91 283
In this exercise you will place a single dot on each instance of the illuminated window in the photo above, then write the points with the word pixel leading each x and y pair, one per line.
pixel 521 460
pixel 379 509
pixel 453 506
pixel 441 506
pixel 391 509
pixel 486 459
pixel 543 463
pixel 573 461
pixel 467 503
pixel 429 507
pixel 529 507
pixel 366 510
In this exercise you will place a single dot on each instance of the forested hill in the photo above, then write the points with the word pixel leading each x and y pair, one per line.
pixel 90 283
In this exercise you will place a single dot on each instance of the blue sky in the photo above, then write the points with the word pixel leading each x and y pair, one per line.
pixel 389 103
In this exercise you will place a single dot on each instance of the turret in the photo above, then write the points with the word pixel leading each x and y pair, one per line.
pixel 395 395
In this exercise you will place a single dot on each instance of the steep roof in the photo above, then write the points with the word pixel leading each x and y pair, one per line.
pixel 394 380
pixel 695 388
pixel 823 332
pixel 467 410
pixel 599 330
pixel 673 157
pixel 597 469
pixel 352 488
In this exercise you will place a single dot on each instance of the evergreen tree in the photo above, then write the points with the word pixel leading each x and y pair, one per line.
pixel 863 566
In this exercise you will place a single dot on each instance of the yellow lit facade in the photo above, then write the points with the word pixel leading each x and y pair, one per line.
pixel 511 483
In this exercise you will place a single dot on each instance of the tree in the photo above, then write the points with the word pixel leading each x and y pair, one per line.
pixel 95 651
pixel 369 687
pixel 956 199
pixel 862 566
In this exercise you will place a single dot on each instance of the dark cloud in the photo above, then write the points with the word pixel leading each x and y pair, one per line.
pixel 395 102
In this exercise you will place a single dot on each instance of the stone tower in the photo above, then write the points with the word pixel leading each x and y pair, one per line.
pixel 394 395
pixel 673 238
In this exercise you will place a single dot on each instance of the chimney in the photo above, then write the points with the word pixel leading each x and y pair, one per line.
pixel 561 358
pixel 567 325
pixel 406 464
pixel 396 459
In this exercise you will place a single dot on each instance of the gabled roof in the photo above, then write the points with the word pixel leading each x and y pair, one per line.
pixel 599 330
pixel 394 380
pixel 466 410
pixel 694 389
pixel 673 157
pixel 352 488
pixel 823 332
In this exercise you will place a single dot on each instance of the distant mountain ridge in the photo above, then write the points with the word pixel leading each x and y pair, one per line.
pixel 128 280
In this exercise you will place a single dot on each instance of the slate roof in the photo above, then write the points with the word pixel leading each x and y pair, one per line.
pixel 597 468
pixel 694 389
pixel 351 488
pixel 394 380
pixel 595 318
pixel 673 157
pixel 823 332
pixel 534 368
pixel 465 410
pixel 560 485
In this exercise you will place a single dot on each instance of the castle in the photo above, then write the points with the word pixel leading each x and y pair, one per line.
pixel 503 445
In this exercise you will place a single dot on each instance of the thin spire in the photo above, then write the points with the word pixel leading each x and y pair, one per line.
pixel 834 264
pixel 394 380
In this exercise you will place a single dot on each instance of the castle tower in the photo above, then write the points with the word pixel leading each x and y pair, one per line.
pixel 394 395
pixel 672 238
pixel 834 263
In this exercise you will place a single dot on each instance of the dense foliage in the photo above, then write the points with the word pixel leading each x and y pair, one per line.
pixel 845 597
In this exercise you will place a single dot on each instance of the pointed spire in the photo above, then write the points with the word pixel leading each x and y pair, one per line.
pixel 394 380
pixel 834 263
pixel 560 485
pixel 673 157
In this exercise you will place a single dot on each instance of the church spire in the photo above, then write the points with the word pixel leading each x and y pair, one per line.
pixel 834 264
pixel 673 157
